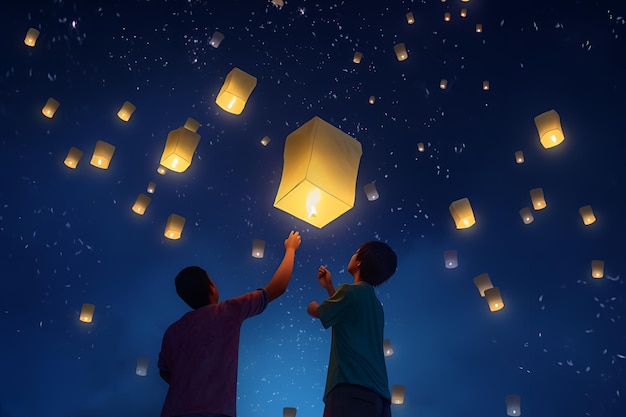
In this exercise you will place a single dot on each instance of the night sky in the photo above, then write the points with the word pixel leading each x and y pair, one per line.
pixel 69 236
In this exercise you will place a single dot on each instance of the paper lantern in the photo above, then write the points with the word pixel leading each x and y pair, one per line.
pixel 587 215
pixel 318 182
pixel 142 366
pixel 126 111
pixel 409 18
pixel 278 3
pixel 289 412
pixel 443 84
pixel 494 299
pixel 479 28
pixel 50 108
pixel 446 17
pixel 174 226
pixel 483 283
pixel 549 128
pixel 463 12
pixel 400 50
pixel 371 192
pixel 372 99
pixel 151 187
pixel 485 85
pixel 180 145
pixel 72 158
pixel 539 201
pixel 462 213
pixel 216 39
pixel 513 405
pixel 597 269
pixel 526 215
pixel 235 91
pixel 519 157
pixel 420 147
pixel 451 259
pixel 162 170
pixel 141 204
pixel 465 1
pixel 265 140
pixel 102 155
pixel 357 57
pixel 86 313
pixel 387 349
pixel 192 124
pixel 258 248
pixel 31 37
pixel 397 394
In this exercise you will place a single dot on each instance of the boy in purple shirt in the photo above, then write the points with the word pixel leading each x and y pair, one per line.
pixel 199 353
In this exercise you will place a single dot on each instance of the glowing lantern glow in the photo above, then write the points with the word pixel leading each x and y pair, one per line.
pixel 400 51
pixel 443 84
pixel 465 1
pixel 462 213
pixel 549 128
pixel 357 57
pixel 485 85
pixel 463 12
pixel 409 18
pixel 318 182
pixel 420 147
pixel 72 158
pixel 258 248
pixel 519 157
pixel 102 155
pixel 446 17
pixel 180 145
pixel 539 201
pixel 142 366
pixel 397 394
pixel 265 140
pixel 31 37
pixel 513 405
pixel 50 108
pixel 86 313
pixel 597 268
pixel 174 226
pixel 451 259
pixel 289 412
pixel 372 100
pixel 278 3
pixel 494 298
pixel 151 187
pixel 371 192
pixel 387 349
pixel 141 204
pixel 526 215
pixel 483 283
pixel 126 111
pixel 216 39
pixel 192 124
pixel 479 28
pixel 162 170
pixel 587 215
pixel 235 91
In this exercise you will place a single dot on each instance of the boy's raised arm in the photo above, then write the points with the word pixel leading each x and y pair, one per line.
pixel 278 284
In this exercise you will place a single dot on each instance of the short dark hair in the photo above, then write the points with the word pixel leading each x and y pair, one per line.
pixel 378 262
pixel 192 285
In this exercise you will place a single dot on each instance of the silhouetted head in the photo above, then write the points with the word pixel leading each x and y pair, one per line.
pixel 376 261
pixel 195 287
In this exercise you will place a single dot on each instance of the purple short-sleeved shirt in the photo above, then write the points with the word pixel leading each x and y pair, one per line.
pixel 200 351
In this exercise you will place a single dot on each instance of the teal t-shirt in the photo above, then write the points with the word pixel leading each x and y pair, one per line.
pixel 356 351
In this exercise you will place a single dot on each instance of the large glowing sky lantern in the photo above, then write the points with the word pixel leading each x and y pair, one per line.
pixel 318 182
pixel 180 145
pixel 235 91
pixel 549 128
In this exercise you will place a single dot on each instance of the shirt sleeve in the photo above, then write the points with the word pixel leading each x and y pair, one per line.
pixel 336 307
pixel 163 355
pixel 250 304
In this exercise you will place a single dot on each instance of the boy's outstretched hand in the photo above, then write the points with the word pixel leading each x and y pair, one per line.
pixel 324 277
pixel 293 241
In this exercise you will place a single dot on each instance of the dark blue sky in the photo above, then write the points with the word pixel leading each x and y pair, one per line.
pixel 69 237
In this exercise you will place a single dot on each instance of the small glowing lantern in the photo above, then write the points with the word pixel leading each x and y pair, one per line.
pixel 86 313
pixel 318 182
pixel 371 192
pixel 513 405
pixel 174 226
pixel 192 124
pixel 485 85
pixel 180 145
pixel 142 366
pixel 372 100
pixel 539 201
pixel 357 57
pixel 597 269
pixel 126 111
pixel 397 394
pixel 258 248
pixel 420 147
pixel 519 157
pixel 72 158
pixel 463 12
pixel 50 108
pixel 102 155
pixel 216 39
pixel 443 84
pixel 151 187
pixel 31 37
pixel 479 28
pixel 162 170
pixel 483 283
pixel 465 1
pixel 587 214
pixel 235 91
pixel 494 298
pixel 526 215
pixel 387 349
pixel 278 3
pixel 446 17
pixel 400 50
pixel 265 140
pixel 409 18
pixel 549 128
pixel 451 259
pixel 462 213
pixel 289 412
pixel 141 204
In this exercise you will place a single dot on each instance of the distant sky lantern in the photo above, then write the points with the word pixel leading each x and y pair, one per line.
pixel 372 100
pixel 387 349
pixel 50 108
pixel 265 140
pixel 513 405
pixel 235 91
pixel 289 412
pixel 151 187
pixel 162 170
pixel 443 84
pixel 483 283
pixel 420 147
pixel 409 18
pixel 258 248
pixel 549 128
pixel 479 28
pixel 278 3
pixel 192 124
pixel 180 145
pixel 465 1
pixel 142 366
pixel 31 37
pixel 463 12
pixel 102 155
pixel 141 204
pixel 526 215
pixel 539 201
pixel 357 57
pixel 72 158
pixel 216 39
pixel 371 192
pixel 320 168
pixel 397 394
pixel 174 226
pixel 446 17
pixel 519 157
pixel 494 299
pixel 450 259
pixel 462 213
pixel 597 268
pixel 126 111
pixel 485 85
pixel 86 313
pixel 587 215
pixel 400 50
